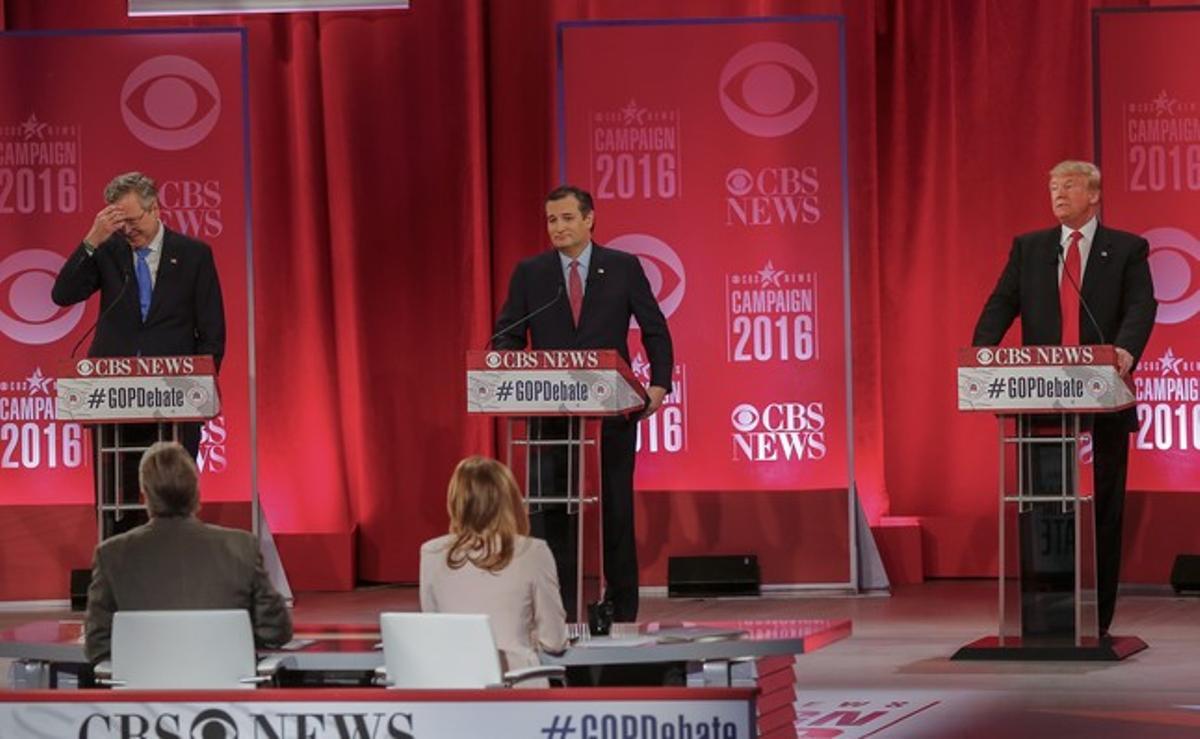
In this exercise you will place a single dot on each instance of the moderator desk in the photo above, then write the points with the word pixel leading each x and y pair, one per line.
pixel 711 650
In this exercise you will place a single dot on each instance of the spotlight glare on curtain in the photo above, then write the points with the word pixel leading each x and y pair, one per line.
pixel 214 7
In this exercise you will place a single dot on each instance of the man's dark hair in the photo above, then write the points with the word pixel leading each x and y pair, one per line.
pixel 583 196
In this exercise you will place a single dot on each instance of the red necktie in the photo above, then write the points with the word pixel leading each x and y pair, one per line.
pixel 575 290
pixel 1068 295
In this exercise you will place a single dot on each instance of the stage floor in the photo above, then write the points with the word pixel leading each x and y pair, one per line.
pixel 893 677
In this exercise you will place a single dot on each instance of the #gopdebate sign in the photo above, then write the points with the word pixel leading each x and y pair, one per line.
pixel 138 389
pixel 563 382
pixel 1041 378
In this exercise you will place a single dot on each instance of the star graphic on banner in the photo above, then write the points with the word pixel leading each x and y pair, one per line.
pixel 641 368
pixel 768 275
pixel 633 113
pixel 33 127
pixel 38 382
pixel 1164 104
pixel 1170 363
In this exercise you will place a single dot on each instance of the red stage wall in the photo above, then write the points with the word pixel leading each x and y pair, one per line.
pixel 399 163
pixel 174 108
pixel 722 169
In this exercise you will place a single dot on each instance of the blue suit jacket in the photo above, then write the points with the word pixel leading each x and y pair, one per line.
pixel 186 315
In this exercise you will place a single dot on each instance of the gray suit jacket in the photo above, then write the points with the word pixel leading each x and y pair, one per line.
pixel 181 563
pixel 522 600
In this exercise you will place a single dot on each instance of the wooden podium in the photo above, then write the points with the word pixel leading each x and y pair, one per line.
pixel 1042 397
pixel 110 393
pixel 551 403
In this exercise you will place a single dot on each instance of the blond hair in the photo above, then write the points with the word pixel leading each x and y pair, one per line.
pixel 486 514
pixel 1074 166
pixel 168 478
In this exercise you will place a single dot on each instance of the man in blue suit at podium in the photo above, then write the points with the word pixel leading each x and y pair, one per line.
pixel 581 295
pixel 159 293
pixel 1098 279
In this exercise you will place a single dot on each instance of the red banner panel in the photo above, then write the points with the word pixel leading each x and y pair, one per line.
pixel 1148 131
pixel 79 109
pixel 715 152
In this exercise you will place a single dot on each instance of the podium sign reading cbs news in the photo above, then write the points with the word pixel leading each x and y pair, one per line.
pixel 580 382
pixel 132 389
pixel 1025 379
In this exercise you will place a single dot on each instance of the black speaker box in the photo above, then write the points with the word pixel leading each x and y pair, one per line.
pixel 80 579
pixel 692 577
pixel 1185 573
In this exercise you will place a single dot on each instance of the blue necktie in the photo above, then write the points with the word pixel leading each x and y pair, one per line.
pixel 145 285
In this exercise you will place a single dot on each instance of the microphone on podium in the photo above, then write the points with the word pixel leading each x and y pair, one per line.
pixel 557 296
pixel 105 312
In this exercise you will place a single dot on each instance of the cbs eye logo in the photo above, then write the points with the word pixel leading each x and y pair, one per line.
pixel 663 268
pixel 170 102
pixel 1175 269
pixel 739 182
pixel 213 723
pixel 768 89
pixel 744 418
pixel 27 314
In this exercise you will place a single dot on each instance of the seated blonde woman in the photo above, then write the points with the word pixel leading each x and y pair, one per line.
pixel 489 564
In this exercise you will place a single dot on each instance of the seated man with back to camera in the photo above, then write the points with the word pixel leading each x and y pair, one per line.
pixel 177 562
pixel 488 564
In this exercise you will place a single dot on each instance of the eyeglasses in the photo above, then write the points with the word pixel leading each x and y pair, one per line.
pixel 131 222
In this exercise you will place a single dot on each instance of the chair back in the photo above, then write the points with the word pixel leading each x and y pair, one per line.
pixel 189 650
pixel 439 650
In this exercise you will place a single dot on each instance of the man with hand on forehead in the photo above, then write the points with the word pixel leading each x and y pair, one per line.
pixel 159 292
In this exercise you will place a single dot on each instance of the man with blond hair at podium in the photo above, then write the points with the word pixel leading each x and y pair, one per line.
pixel 178 562
pixel 1076 283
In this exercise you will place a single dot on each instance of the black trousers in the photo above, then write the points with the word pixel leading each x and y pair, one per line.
pixel 1110 464
pixel 549 470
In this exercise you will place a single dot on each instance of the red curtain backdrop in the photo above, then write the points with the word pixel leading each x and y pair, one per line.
pixel 399 161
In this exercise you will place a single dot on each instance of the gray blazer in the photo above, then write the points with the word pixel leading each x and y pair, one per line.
pixel 522 600
pixel 181 563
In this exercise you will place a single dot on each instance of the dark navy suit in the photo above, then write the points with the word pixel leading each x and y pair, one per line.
pixel 186 313
pixel 1117 287
pixel 186 317
pixel 616 290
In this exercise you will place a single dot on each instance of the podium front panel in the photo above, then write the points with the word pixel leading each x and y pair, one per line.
pixel 1047 532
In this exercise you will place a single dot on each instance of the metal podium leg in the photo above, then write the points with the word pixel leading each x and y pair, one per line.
pixel 576 509
pixel 562 509
pixel 590 556
pixel 99 479
pixel 1005 630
